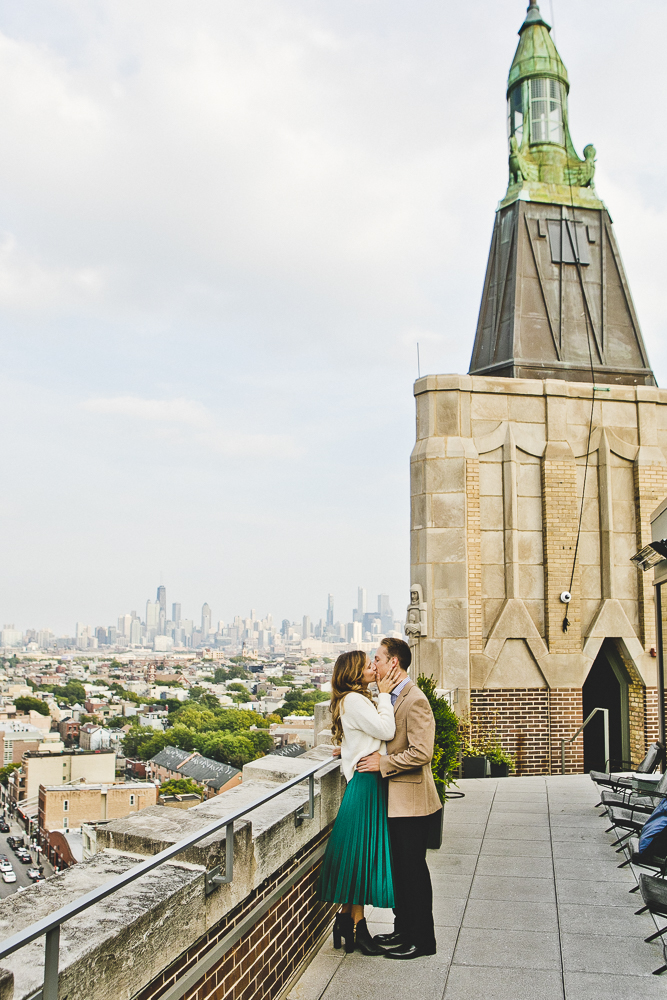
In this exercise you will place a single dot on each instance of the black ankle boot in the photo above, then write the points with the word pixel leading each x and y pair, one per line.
pixel 343 928
pixel 364 941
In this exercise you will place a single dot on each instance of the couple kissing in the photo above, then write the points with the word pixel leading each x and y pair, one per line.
pixel 376 853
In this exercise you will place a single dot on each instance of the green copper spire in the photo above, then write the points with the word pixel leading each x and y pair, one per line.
pixel 543 163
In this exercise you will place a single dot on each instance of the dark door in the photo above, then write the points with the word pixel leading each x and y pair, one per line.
pixel 606 687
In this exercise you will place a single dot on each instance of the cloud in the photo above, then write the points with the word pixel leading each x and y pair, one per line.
pixel 199 427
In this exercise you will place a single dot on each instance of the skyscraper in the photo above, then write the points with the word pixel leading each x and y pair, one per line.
pixel 162 598
pixel 330 609
pixel 152 614
pixel 361 601
pixel 306 629
pixel 176 613
pixel 205 621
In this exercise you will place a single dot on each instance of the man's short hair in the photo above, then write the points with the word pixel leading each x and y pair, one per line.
pixel 399 649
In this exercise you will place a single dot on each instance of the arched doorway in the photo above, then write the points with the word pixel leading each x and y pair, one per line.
pixel 607 687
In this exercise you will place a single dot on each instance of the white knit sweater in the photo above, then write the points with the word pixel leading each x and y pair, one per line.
pixel 365 728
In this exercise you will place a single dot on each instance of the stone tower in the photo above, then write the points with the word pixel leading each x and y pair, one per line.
pixel 536 473
pixel 556 302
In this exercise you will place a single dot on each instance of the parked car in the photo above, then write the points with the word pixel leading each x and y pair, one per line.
pixel 25 859
pixel 9 876
pixel 12 842
pixel 6 865
pixel 4 827
pixel 35 874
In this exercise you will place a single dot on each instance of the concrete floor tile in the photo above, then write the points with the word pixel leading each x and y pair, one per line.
pixel 493 847
pixel 451 864
pixel 596 893
pixel 603 869
pixel 472 830
pixel 479 983
pixel 582 835
pixel 538 890
pixel 510 831
pixel 448 911
pixel 610 955
pixel 517 866
pixel 508 948
pixel 575 850
pixel 517 914
pixel 453 843
pixel 316 978
pixel 577 918
pixel 455 886
pixel 518 818
pixel 590 986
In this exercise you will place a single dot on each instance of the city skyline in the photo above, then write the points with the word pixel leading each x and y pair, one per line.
pixel 156 615
pixel 210 306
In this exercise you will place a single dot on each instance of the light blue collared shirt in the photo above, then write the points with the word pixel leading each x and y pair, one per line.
pixel 397 690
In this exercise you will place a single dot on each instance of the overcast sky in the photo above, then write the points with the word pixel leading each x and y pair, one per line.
pixel 223 228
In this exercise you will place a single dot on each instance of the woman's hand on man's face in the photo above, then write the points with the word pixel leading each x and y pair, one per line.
pixel 389 681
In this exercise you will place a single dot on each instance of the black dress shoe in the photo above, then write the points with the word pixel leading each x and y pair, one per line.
pixel 410 951
pixel 388 941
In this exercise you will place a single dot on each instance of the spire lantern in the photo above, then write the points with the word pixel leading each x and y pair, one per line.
pixel 556 301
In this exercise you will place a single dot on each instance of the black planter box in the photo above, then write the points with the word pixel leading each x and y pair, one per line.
pixel 500 770
pixel 474 767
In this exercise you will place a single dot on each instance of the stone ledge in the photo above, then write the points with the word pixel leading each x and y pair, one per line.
pixel 114 949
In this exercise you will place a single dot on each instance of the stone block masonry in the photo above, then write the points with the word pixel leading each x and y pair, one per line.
pixel 163 936
pixel 522 489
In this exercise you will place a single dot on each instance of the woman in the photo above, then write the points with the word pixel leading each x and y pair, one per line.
pixel 357 865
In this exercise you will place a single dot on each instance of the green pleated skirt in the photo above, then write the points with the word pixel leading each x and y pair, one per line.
pixel 357 863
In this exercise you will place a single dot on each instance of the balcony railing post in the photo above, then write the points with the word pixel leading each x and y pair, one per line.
pixel 51 955
pixel 605 713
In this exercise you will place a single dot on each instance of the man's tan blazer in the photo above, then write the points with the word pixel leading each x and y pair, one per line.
pixel 407 764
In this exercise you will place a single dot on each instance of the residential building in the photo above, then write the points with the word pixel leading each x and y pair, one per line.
pixel 56 767
pixel 16 737
pixel 213 776
pixel 67 807
pixel 93 737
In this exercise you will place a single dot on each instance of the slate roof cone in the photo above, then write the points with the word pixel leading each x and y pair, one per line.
pixel 556 301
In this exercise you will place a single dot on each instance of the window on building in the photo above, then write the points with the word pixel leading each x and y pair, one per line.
pixel 131 800
pixel 65 823
pixel 546 111
pixel 66 805
pixel 515 114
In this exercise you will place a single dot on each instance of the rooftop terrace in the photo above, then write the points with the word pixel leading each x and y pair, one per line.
pixel 529 905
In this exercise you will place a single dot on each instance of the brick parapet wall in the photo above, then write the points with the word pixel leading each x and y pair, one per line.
pixel 265 960
pixel 474 544
pixel 531 723
pixel 566 717
pixel 560 517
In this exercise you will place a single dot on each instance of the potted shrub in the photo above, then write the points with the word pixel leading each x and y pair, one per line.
pixel 483 754
pixel 446 749
pixel 500 760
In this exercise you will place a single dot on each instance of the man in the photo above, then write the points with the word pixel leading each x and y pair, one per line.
pixel 413 800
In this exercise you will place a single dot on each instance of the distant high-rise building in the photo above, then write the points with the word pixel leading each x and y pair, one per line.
pixel 385 612
pixel 152 614
pixel 330 609
pixel 306 630
pixel 361 600
pixel 176 613
pixel 162 599
pixel 135 632
pixel 205 621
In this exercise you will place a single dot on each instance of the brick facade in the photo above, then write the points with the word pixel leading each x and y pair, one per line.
pixel 264 962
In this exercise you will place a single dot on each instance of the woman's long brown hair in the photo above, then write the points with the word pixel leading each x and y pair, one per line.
pixel 347 676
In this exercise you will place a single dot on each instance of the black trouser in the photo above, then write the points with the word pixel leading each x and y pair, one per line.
pixel 413 893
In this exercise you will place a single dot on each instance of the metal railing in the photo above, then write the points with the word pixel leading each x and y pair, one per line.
pixel 50 925
pixel 605 712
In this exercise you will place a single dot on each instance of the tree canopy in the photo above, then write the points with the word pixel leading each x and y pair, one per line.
pixel 26 704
